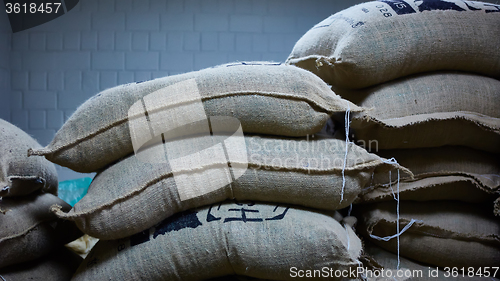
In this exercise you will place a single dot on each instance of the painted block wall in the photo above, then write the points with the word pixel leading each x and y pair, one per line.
pixel 46 72
pixel 5 44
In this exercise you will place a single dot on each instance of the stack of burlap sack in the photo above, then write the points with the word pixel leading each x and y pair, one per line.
pixel 426 73
pixel 32 238
pixel 169 152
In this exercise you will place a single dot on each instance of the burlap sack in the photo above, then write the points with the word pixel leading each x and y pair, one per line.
pixel 20 175
pixel 265 98
pixel 28 230
pixel 431 110
pixel 60 265
pixel 252 239
pixel 132 196
pixel 413 271
pixel 378 41
pixel 445 234
pixel 443 173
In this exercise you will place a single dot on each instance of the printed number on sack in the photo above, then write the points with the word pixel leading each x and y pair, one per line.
pixel 384 11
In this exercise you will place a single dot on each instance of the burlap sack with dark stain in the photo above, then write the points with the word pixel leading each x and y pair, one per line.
pixel 442 173
pixel 59 265
pixel 266 98
pixel 28 230
pixel 131 195
pixel 20 175
pixel 445 234
pixel 431 110
pixel 378 41
pixel 416 271
pixel 258 240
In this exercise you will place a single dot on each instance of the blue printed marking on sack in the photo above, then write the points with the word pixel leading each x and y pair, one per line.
pixel 280 216
pixel 441 5
pixel 400 7
pixel 328 21
pixel 495 10
pixel 174 223
pixel 431 5
pixel 472 8
pixel 177 222
pixel 244 212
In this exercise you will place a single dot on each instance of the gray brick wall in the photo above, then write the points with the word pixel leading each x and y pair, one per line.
pixel 47 71
pixel 5 75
